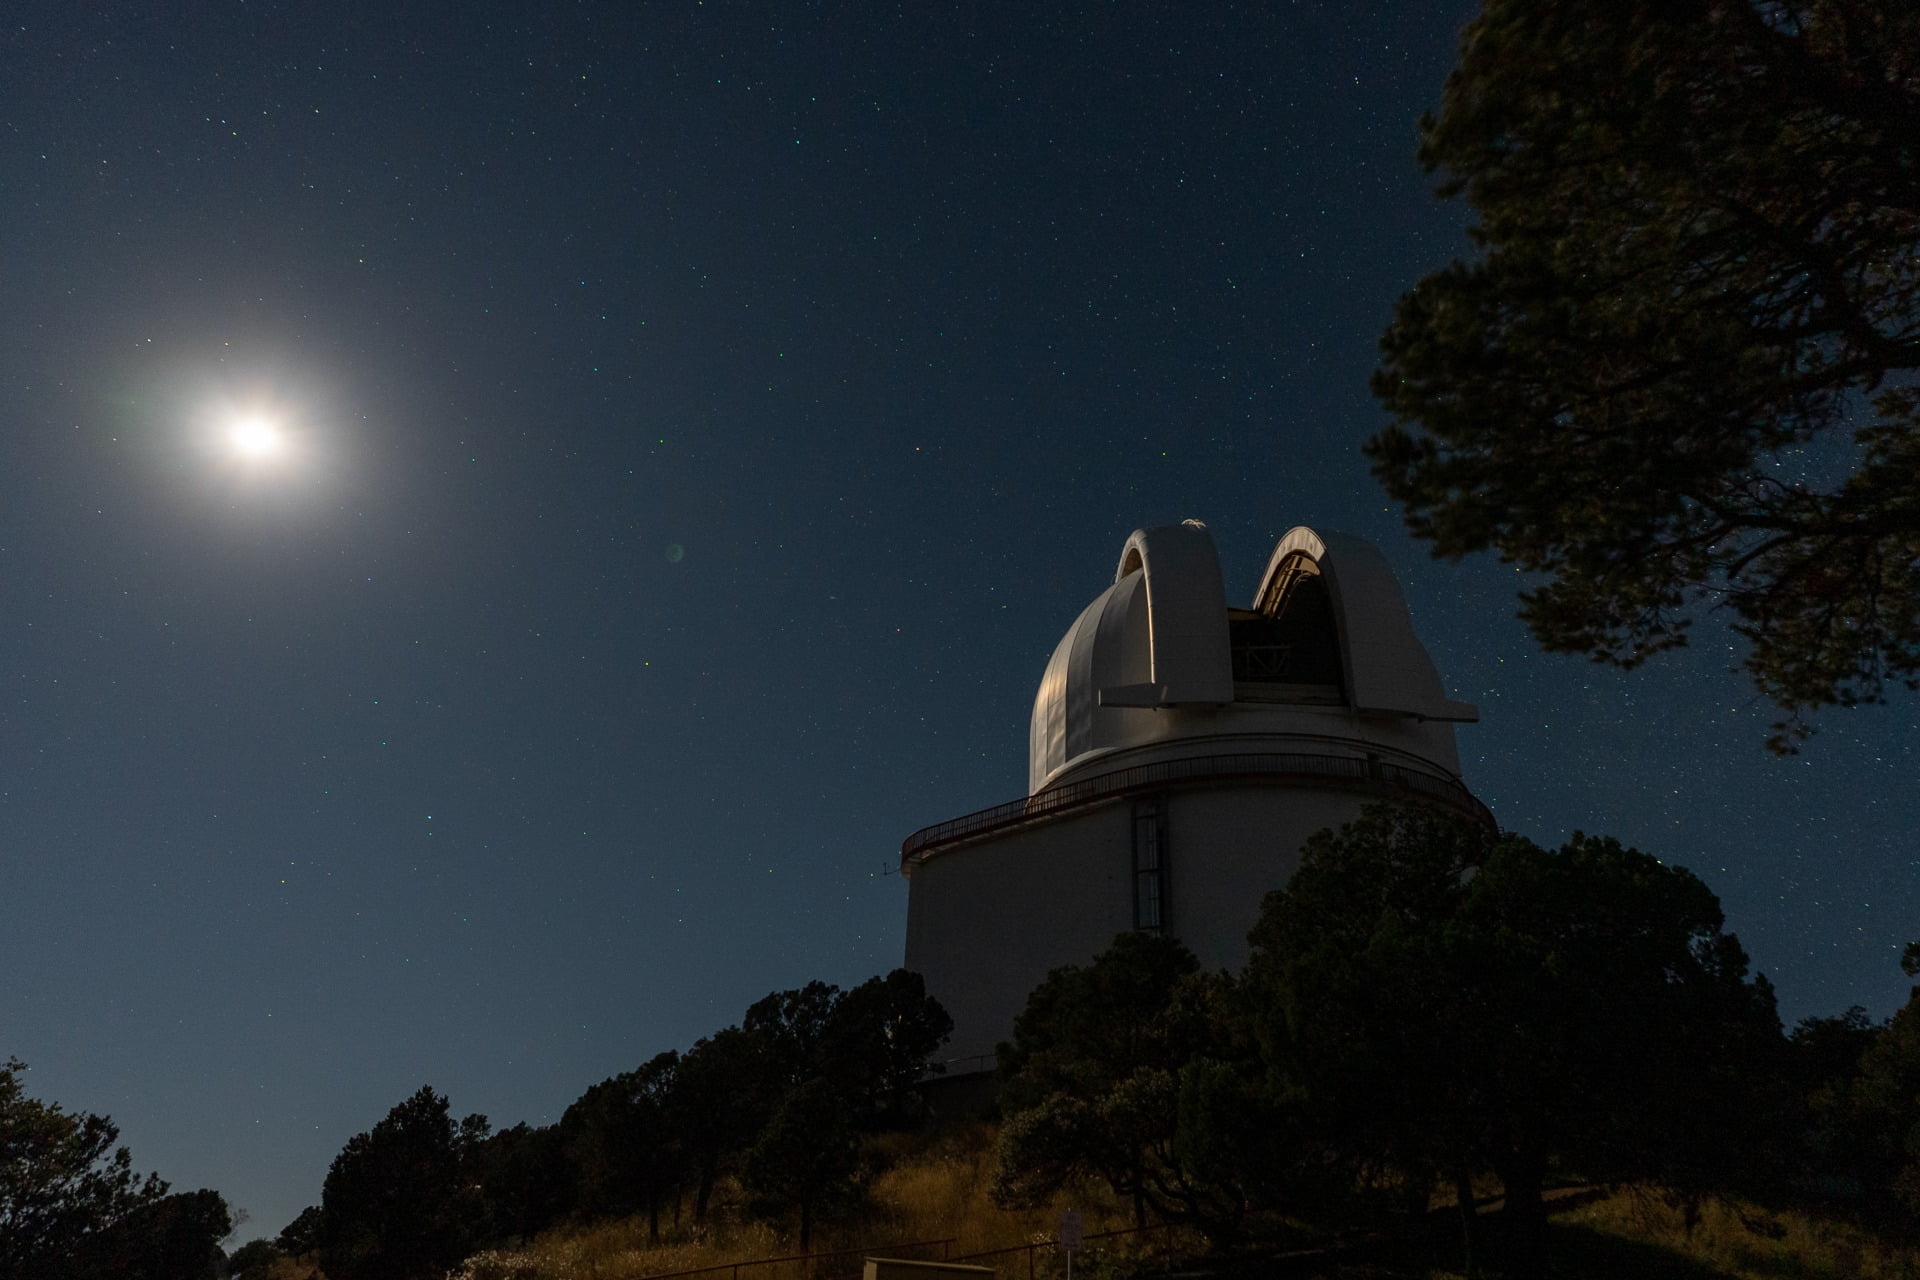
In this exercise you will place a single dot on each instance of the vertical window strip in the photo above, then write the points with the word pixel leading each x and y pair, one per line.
pixel 1149 865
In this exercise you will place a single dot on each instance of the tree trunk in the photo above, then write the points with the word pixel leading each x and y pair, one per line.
pixel 806 1227
pixel 1418 1193
pixel 1469 1219
pixel 1525 1216
pixel 704 1194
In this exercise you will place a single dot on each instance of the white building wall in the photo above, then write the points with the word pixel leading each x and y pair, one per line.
pixel 987 921
pixel 1227 847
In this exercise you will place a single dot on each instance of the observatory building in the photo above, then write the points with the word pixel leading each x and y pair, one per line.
pixel 1181 753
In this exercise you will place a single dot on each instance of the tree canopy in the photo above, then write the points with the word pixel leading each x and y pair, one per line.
pixel 878 1042
pixel 176 1237
pixel 724 1093
pixel 400 1201
pixel 1454 1003
pixel 807 1159
pixel 72 1208
pixel 1106 1062
pixel 302 1235
pixel 62 1180
pixel 1683 369
pixel 619 1137
pixel 253 1259
pixel 779 1100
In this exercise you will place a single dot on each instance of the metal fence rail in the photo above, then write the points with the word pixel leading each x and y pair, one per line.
pixel 816 1259
pixel 818 1263
pixel 1053 1246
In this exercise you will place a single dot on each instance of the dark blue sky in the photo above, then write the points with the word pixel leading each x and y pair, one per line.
pixel 707 417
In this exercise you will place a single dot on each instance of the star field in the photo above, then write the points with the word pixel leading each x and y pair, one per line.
pixel 709 417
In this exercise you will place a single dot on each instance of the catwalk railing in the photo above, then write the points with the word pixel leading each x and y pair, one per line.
pixel 1271 766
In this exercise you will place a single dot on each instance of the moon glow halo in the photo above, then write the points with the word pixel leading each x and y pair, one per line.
pixel 255 437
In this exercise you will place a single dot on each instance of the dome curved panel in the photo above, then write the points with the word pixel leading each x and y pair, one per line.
pixel 1107 646
pixel 1387 668
pixel 1186 615
pixel 1158 667
pixel 1156 639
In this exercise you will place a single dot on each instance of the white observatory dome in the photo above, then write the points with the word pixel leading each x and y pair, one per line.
pixel 1158 667
pixel 1182 752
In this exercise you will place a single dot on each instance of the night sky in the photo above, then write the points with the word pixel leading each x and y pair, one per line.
pixel 698 422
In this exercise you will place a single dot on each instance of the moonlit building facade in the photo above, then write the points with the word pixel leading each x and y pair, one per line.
pixel 1181 752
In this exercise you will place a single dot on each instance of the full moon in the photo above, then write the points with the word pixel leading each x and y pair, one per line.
pixel 255 437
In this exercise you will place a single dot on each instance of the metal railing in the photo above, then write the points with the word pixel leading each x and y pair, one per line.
pixel 1053 1246
pixel 814 1258
pixel 1034 1248
pixel 1271 766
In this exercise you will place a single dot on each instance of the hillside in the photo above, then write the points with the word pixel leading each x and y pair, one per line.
pixel 930 1192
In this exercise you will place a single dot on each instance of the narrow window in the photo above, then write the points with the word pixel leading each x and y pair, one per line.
pixel 1149 865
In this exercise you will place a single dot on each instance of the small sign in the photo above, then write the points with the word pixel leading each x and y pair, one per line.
pixel 1073 1233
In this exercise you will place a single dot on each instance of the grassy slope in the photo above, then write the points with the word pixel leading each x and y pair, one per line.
pixel 935 1187
pixel 1635 1235
pixel 1632 1235
pixel 929 1188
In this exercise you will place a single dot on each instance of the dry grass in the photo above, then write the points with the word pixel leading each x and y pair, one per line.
pixel 929 1188
pixel 932 1188
pixel 1636 1234
pixel 1742 1243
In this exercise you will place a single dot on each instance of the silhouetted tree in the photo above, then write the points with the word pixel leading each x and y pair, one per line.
pixel 176 1237
pixel 301 1236
pixel 62 1180
pixel 741 1097
pixel 794 1023
pixel 253 1260
pixel 529 1183
pixel 1858 1087
pixel 1682 368
pixel 621 1141
pixel 1355 1004
pixel 1464 1003
pixel 806 1162
pixel 878 1041
pixel 401 1201
pixel 1839 1138
pixel 1884 1108
pixel 723 1095
pixel 1091 1083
